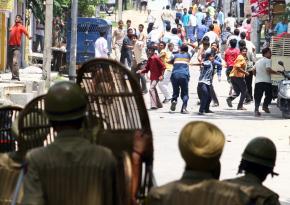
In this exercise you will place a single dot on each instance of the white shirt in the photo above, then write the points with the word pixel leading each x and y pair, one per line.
pixel 101 48
pixel 139 52
pixel 192 20
pixel 230 22
pixel 154 35
pixel 261 70
pixel 213 37
pixel 179 7
pixel 167 15
pixel 39 29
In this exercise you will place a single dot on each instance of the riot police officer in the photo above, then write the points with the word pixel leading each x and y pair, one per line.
pixel 93 167
pixel 201 145
pixel 258 161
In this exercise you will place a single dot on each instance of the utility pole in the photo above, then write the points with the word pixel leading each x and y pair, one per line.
pixel 120 8
pixel 73 45
pixel 47 42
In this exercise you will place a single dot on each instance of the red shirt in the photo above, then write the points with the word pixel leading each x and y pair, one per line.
pixel 230 56
pixel 155 66
pixel 15 34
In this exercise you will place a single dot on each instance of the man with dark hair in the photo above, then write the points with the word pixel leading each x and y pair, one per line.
pixel 208 19
pixel 230 21
pixel 180 78
pixel 201 31
pixel 126 50
pixel 213 37
pixel 235 36
pixel 14 44
pixel 101 46
pixel 156 68
pixel 263 84
pixel 258 161
pixel 167 17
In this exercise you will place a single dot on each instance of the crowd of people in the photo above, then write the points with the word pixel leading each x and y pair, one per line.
pixel 198 35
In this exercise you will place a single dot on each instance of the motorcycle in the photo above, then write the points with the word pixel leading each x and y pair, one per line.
pixel 283 100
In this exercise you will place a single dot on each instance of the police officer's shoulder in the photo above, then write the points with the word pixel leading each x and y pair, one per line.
pixel 159 193
pixel 7 162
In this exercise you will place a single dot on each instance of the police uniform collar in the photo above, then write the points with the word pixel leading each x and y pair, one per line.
pixel 69 133
pixel 190 174
pixel 252 178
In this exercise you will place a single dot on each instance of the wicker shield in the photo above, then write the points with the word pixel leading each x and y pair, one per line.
pixel 7 116
pixel 34 129
pixel 116 101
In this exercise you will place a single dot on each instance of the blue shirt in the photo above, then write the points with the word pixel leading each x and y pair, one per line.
pixel 199 16
pixel 200 31
pixel 206 72
pixel 208 21
pixel 185 19
pixel 281 28
pixel 181 64
pixel 221 18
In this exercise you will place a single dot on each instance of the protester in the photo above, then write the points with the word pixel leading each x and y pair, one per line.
pixel 140 58
pixel 141 35
pixel 126 50
pixel 14 44
pixel 235 36
pixel 281 26
pixel 167 17
pixel 213 37
pixel 150 20
pixel 191 27
pixel 208 19
pixel 258 161
pixel 263 83
pixel 201 145
pixel 179 8
pixel 237 76
pixel 143 6
pixel 248 28
pixel 129 26
pixel 166 56
pixel 101 46
pixel 39 35
pixel 166 35
pixel 205 45
pixel 118 37
pixel 69 153
pixel 251 59
pixel 220 17
pixel 175 39
pixel 205 81
pixel 230 22
pixel 199 17
pixel 180 78
pixel 185 21
pixel 156 68
pixel 201 31
pixel 216 28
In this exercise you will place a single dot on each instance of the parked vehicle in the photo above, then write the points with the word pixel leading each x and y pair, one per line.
pixel 283 100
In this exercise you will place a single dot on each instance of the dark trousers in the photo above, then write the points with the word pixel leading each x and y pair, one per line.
pixel 242 11
pixel 260 89
pixel 140 78
pixel 213 95
pixel 249 82
pixel 239 86
pixel 13 60
pixel 203 91
pixel 39 41
pixel 128 56
pixel 180 82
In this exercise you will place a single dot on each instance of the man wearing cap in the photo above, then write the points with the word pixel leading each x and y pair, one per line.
pixel 201 145
pixel 66 107
pixel 258 160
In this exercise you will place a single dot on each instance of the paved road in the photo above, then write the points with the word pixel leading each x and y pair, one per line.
pixel 238 126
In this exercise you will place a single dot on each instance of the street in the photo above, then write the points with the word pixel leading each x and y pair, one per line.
pixel 239 128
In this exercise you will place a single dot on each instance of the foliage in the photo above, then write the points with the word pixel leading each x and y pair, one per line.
pixel 60 7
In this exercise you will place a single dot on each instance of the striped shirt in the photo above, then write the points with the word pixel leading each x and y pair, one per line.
pixel 181 64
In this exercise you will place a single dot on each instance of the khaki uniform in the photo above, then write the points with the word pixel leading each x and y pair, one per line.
pixel 253 187
pixel 159 195
pixel 71 171
pixel 189 191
